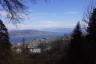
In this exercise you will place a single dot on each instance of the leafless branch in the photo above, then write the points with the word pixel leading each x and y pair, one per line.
pixel 13 7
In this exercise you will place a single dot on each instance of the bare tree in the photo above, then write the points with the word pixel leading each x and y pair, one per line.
pixel 13 7
pixel 89 10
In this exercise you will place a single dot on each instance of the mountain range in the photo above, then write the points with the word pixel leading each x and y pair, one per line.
pixel 18 35
pixel 27 33
pixel 58 29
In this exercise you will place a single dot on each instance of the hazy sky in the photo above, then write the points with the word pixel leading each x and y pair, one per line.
pixel 53 14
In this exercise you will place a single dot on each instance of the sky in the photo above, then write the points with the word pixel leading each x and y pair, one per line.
pixel 51 14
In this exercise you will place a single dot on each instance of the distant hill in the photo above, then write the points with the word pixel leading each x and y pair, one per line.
pixel 65 30
pixel 18 35
pixel 27 33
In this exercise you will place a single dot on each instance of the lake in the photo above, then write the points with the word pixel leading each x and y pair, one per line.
pixel 19 39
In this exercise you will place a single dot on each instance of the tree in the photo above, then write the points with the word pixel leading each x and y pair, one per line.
pixel 13 7
pixel 5 45
pixel 24 50
pixel 74 51
pixel 91 37
pixel 91 29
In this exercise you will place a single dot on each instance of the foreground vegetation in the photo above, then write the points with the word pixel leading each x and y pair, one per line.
pixel 79 48
pixel 50 56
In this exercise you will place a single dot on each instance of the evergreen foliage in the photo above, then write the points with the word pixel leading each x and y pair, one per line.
pixel 5 45
pixel 74 50
pixel 91 38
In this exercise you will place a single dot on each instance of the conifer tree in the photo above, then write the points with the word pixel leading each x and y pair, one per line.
pixel 74 51
pixel 91 37
pixel 5 45
pixel 91 29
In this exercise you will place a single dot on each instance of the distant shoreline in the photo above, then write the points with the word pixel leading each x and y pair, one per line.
pixel 19 39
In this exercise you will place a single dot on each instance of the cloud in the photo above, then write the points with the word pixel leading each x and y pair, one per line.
pixel 3 13
pixel 71 12
pixel 43 25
